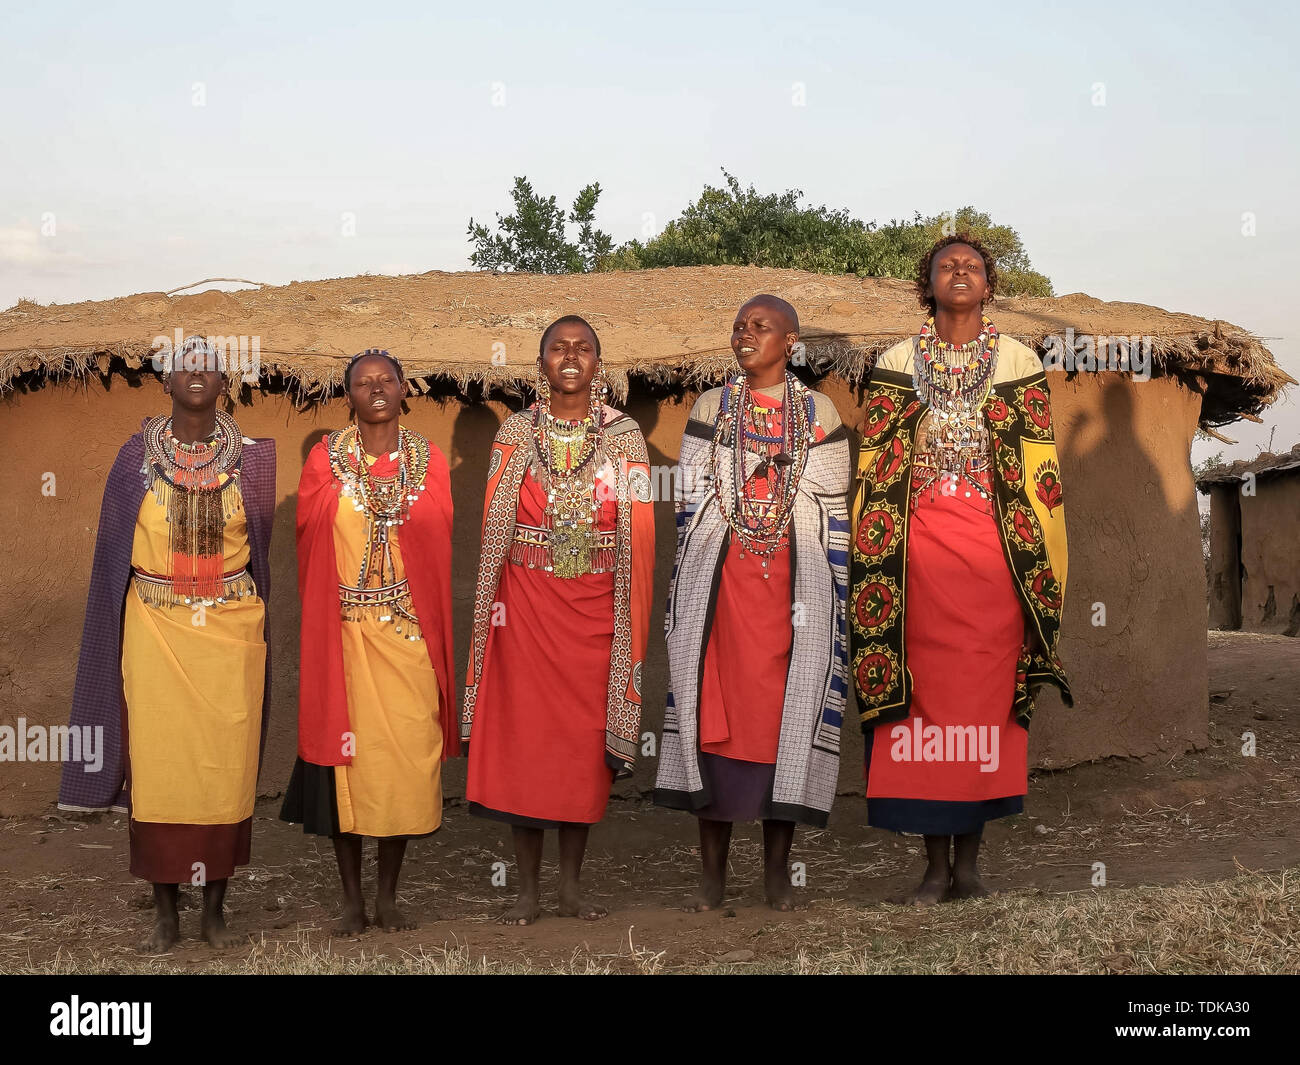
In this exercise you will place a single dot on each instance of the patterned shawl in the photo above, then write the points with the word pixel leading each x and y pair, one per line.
pixel 808 752
pixel 1030 519
pixel 633 576
pixel 97 695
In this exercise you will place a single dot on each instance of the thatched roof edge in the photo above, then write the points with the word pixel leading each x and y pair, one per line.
pixel 1263 466
pixel 1229 368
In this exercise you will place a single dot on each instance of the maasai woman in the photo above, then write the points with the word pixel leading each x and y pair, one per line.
pixel 561 611
pixel 374 577
pixel 174 664
pixel 757 649
pixel 958 518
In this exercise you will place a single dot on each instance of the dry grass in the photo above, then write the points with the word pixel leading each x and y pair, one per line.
pixel 1248 924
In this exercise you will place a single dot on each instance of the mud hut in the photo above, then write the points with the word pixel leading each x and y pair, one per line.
pixel 1254 569
pixel 77 380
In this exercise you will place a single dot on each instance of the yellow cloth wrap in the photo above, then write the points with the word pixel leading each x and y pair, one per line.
pixel 394 785
pixel 193 680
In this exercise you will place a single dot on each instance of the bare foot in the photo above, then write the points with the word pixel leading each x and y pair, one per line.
pixel 968 886
pixel 166 931
pixel 353 922
pixel 779 891
pixel 524 911
pixel 392 919
pixel 574 905
pixel 930 892
pixel 213 928
pixel 709 897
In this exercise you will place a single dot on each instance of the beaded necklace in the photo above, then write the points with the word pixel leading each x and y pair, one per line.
pixel 566 457
pixel 187 480
pixel 760 523
pixel 386 501
pixel 954 381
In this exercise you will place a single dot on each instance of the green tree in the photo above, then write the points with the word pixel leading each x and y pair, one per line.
pixel 737 226
pixel 534 237
pixel 730 225
pixel 733 226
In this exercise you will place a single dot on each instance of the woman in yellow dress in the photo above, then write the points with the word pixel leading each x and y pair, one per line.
pixel 374 576
pixel 174 664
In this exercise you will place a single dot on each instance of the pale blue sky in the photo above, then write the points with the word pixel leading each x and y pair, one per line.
pixel 387 111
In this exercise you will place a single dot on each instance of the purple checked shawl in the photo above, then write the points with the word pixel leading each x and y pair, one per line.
pixel 97 696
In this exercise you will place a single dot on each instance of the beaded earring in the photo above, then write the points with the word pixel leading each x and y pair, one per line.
pixel 542 386
pixel 599 386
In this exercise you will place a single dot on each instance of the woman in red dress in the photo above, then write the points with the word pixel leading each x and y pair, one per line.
pixel 561 609
pixel 755 627
pixel 959 517
pixel 374 574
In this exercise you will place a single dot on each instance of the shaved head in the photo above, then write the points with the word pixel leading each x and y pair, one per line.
pixel 777 306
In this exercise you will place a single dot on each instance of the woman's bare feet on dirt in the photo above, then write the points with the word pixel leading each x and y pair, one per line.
pixel 213 929
pixel 968 885
pixel 353 922
pixel 392 919
pixel 524 912
pixel 166 931
pixel 931 891
pixel 572 904
pixel 709 897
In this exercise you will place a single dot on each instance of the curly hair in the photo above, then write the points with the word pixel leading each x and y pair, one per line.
pixel 923 270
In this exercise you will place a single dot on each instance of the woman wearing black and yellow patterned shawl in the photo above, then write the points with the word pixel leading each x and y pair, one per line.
pixel 958 574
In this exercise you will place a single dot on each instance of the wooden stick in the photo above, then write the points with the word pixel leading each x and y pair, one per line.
pixel 209 280
pixel 1217 436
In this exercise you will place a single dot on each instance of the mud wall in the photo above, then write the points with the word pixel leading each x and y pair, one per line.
pixel 1139 679
pixel 1225 557
pixel 1270 556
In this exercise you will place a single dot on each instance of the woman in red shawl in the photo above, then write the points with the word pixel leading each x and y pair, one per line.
pixel 374 576
pixel 561 612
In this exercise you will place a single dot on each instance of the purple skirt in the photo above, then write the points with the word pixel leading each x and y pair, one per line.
pixel 739 791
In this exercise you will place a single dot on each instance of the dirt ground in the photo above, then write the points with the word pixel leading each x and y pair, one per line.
pixel 67 902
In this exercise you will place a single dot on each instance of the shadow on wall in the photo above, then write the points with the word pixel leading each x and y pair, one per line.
pixel 1134 631
pixel 473 433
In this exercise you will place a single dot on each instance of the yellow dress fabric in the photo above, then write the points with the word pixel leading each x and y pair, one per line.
pixel 193 682
pixel 394 785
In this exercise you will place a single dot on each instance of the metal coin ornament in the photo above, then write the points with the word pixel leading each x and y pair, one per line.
pixel 954 381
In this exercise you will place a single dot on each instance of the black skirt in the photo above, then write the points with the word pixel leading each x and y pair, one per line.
pixel 311 800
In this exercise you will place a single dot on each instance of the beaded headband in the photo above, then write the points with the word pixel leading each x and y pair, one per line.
pixel 381 352
pixel 196 353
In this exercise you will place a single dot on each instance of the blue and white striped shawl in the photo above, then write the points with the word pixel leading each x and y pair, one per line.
pixel 808 753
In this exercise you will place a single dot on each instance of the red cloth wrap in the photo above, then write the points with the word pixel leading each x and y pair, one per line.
pixel 424 539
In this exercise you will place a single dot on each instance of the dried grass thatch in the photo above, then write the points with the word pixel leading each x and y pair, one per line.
pixel 668 325
pixel 1263 466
